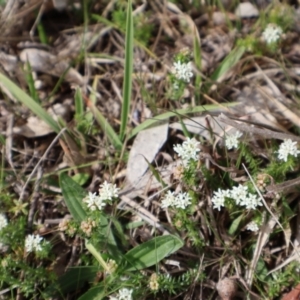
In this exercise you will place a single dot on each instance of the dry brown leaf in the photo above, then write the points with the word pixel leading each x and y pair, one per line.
pixel 246 10
pixel 294 294
pixel 145 147
pixel 42 61
pixel 34 127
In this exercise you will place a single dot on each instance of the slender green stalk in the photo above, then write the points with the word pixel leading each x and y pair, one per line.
pixel 97 255
pixel 127 83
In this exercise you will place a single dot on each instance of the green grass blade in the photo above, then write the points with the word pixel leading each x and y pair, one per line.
pixel 109 131
pixel 127 83
pixel 230 61
pixel 164 117
pixel 29 102
pixel 198 63
pixel 73 194
pixel 42 34
pixel 30 82
pixel 79 108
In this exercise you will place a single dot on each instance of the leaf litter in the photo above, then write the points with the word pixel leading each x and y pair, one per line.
pixel 266 109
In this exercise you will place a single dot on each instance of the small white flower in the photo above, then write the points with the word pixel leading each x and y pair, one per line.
pixel 183 71
pixel 188 150
pixel 239 193
pixel 168 200
pixel 287 147
pixel 91 200
pixel 3 221
pixel 218 199
pixel 231 141
pixel 252 226
pixel 33 243
pixel 251 201
pixel 182 200
pixel 125 294
pixel 272 33
pixel 108 191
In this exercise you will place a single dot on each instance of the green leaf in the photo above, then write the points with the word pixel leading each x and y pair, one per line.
pixel 151 252
pixel 75 278
pixel 73 194
pixel 94 293
pixel 127 83
pixel 81 178
pixel 235 225
pixel 96 254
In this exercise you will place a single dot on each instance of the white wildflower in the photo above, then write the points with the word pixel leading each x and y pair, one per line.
pixel 272 33
pixel 188 150
pixel 182 200
pixel 3 221
pixel 231 141
pixel 123 294
pixel 218 199
pixel 252 226
pixel 33 243
pixel 251 201
pixel 183 71
pixel 168 200
pixel 287 147
pixel 108 191
pixel 239 193
pixel 91 200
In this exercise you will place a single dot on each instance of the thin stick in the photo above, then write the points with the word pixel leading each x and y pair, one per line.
pixel 40 161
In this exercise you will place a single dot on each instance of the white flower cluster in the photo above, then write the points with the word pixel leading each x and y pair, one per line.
pixel 288 147
pixel 33 243
pixel 123 294
pixel 3 221
pixel 239 194
pixel 107 192
pixel 272 33
pixel 188 150
pixel 181 200
pixel 183 71
pixel 231 141
pixel 252 226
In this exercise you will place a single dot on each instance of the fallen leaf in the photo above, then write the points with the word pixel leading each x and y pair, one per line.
pixel 294 294
pixel 45 62
pixel 145 147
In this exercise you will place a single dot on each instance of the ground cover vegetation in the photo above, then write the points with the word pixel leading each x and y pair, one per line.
pixel 149 150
